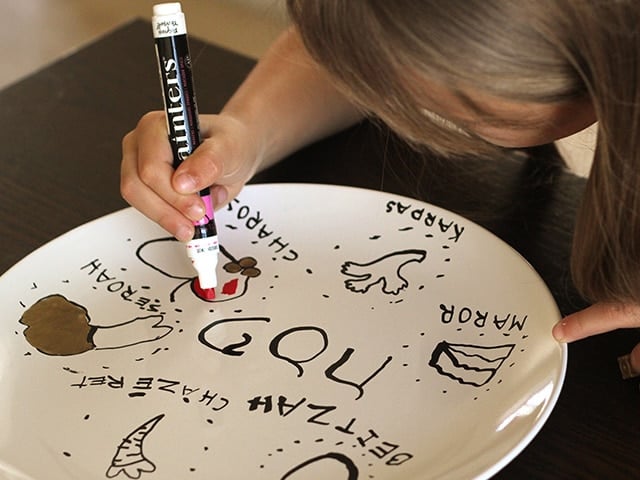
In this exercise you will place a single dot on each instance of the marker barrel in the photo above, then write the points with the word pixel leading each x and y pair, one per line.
pixel 178 93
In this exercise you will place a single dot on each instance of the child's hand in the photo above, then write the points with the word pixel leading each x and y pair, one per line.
pixel 226 159
pixel 601 318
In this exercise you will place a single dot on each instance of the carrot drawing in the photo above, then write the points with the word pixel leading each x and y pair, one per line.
pixel 129 458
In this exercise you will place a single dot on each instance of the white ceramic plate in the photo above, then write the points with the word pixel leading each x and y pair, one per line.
pixel 354 335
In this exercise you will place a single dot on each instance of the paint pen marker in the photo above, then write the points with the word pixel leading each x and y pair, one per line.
pixel 174 63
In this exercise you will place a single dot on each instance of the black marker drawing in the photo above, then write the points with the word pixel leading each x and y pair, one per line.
pixel 386 270
pixel 469 364
pixel 59 327
pixel 275 348
pixel 336 387
pixel 129 458
pixel 278 348
pixel 231 349
pixel 233 278
pixel 351 470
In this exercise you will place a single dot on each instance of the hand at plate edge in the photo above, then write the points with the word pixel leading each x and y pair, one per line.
pixel 600 318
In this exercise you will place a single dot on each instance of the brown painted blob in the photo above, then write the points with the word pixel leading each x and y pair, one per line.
pixel 57 326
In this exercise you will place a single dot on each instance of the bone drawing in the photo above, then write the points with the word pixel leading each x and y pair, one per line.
pixel 59 326
pixel 386 270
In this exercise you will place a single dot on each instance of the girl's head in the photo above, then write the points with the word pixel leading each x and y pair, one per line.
pixel 462 76
pixel 421 65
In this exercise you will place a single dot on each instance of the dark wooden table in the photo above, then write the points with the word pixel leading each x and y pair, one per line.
pixel 60 131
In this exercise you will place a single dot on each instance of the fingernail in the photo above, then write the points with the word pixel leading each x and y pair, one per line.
pixel 184 233
pixel 185 183
pixel 558 331
pixel 195 212
pixel 220 196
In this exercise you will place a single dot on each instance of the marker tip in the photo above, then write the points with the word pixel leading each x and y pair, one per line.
pixel 204 293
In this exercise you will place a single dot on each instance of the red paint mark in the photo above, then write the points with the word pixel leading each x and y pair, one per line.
pixel 230 287
pixel 204 293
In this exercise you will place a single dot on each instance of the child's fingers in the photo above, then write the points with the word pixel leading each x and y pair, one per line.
pixel 599 318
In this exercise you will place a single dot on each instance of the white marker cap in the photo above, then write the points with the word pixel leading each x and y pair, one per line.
pixel 166 9
pixel 168 20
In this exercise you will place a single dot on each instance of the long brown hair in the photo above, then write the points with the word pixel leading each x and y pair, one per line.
pixel 545 51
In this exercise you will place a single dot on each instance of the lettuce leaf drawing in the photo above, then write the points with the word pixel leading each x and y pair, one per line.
pixel 469 364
